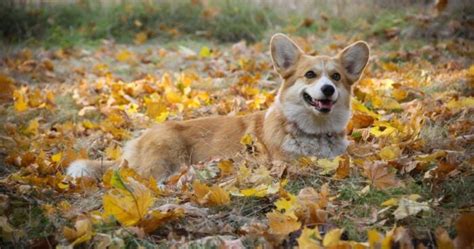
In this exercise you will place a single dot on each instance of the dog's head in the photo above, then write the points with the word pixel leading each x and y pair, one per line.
pixel 317 86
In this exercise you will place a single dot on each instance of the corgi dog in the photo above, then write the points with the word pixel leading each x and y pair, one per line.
pixel 308 118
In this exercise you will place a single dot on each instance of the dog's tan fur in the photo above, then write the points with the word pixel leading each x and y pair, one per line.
pixel 289 128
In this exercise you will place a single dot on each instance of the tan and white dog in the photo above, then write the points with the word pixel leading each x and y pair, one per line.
pixel 308 118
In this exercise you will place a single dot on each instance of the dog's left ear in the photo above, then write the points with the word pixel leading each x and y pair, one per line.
pixel 354 58
pixel 285 53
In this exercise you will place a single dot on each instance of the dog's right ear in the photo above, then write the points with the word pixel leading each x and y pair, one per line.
pixel 285 53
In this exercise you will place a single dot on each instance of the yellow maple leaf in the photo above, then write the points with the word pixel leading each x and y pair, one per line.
pixel 57 157
pixel 21 103
pixel 123 55
pixel 285 204
pixel 390 152
pixel 113 152
pixel 162 117
pixel 173 97
pixel 212 196
pixel 282 224
pixel 309 239
pixel 460 103
pixel 375 238
pixel 382 129
pixel 247 139
pixel 205 52
pixel 226 167
pixel 332 238
pixel 32 128
pixel 140 38
pixel 88 124
pixel 328 165
pixel 359 106
pixel 385 103
pixel 128 206
pixel 399 94
pixel 261 190
pixel 82 232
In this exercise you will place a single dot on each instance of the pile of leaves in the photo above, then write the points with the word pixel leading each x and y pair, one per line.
pixel 411 137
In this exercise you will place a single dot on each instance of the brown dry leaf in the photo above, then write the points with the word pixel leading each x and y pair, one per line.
pixel 310 205
pixel 343 170
pixel 6 88
pixel 156 218
pixel 464 225
pixel 443 241
pixel 211 196
pixel 282 224
pixel 379 176
pixel 441 5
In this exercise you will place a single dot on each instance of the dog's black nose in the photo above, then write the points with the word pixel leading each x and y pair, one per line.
pixel 328 90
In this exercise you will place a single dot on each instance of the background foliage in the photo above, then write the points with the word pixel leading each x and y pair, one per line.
pixel 79 78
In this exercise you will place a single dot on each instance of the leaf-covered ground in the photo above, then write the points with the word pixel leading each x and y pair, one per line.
pixel 407 178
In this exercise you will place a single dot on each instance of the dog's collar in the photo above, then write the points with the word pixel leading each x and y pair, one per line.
pixel 294 129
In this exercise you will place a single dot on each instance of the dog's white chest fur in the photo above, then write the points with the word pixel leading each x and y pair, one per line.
pixel 324 146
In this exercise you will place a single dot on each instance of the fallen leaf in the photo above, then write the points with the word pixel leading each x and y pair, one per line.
pixel 309 239
pixel 379 176
pixel 407 207
pixel 285 204
pixel 205 52
pixel 226 167
pixel 282 224
pixel 82 232
pixel 140 38
pixel 332 238
pixel 21 103
pixel 211 196
pixel 390 152
pixel 128 206
pixel 443 241
pixel 328 165
pixel 464 225
pixel 343 169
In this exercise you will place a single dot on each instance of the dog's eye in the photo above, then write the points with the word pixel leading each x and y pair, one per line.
pixel 310 75
pixel 336 76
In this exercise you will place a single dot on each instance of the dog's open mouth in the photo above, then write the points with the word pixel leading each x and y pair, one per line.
pixel 322 105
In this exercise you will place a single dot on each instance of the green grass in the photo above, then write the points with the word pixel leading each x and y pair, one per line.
pixel 361 206
pixel 66 25
pixel 30 219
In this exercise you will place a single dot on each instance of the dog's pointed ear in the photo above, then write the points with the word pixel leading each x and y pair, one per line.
pixel 285 53
pixel 354 58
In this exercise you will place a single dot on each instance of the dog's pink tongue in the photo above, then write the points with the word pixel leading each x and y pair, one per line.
pixel 325 104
